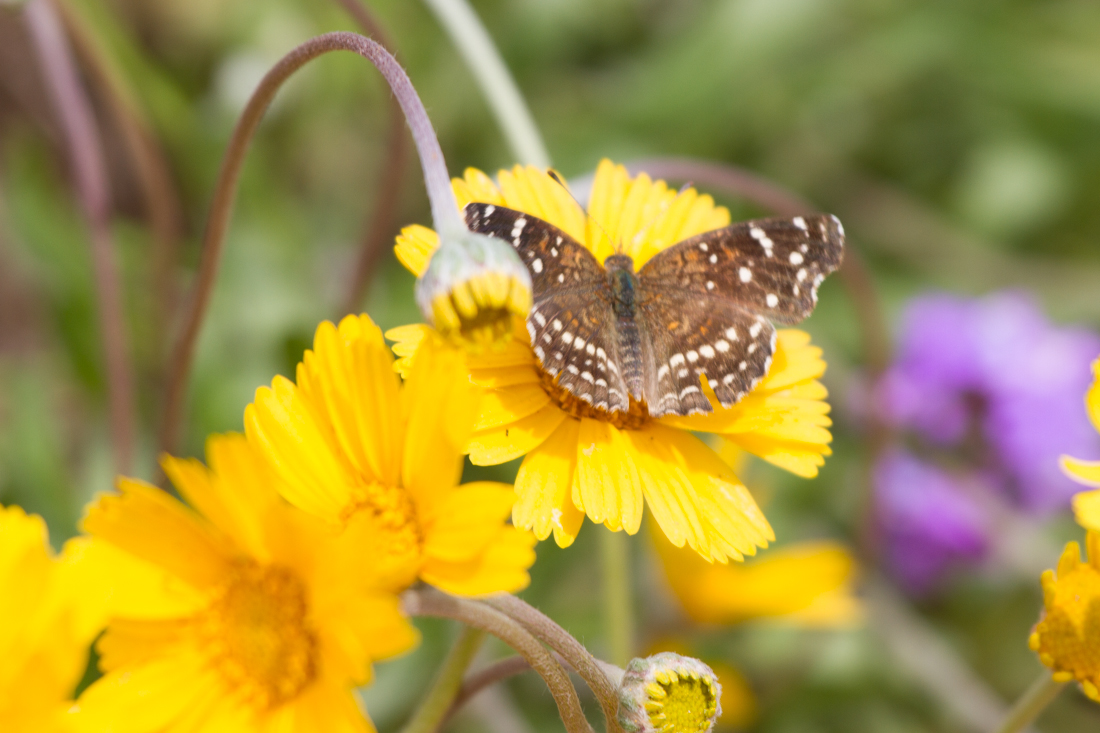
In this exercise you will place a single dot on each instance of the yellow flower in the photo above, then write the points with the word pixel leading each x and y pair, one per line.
pixel 669 693
pixel 238 614
pixel 808 583
pixel 736 699
pixel 1067 637
pixel 582 460
pixel 350 441
pixel 1086 505
pixel 44 635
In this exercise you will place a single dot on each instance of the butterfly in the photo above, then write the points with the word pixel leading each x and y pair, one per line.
pixel 700 309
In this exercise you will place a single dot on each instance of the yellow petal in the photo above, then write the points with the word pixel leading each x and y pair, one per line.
pixel 476 186
pixel 1092 397
pixel 544 486
pixel 505 406
pixel 501 568
pixel 504 377
pixel 801 459
pixel 314 477
pixel 414 248
pixel 1086 508
pixel 507 442
pixel 1083 472
pixel 362 628
pixel 534 192
pixel 149 524
pixel 464 522
pixel 606 485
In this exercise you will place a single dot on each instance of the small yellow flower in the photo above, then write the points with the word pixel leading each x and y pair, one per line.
pixel 580 460
pixel 669 693
pixel 350 441
pixel 239 614
pixel 807 583
pixel 737 701
pixel 1086 505
pixel 1067 637
pixel 44 632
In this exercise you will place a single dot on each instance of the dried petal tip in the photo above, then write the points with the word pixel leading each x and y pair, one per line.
pixel 668 693
pixel 473 286
pixel 1067 637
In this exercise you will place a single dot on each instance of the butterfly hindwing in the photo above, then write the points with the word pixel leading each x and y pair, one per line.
pixel 771 267
pixel 694 336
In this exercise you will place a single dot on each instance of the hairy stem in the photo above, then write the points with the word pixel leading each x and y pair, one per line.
pixel 590 669
pixel 434 707
pixel 430 602
pixel 496 82
pixel 81 136
pixel 444 208
pixel 1033 702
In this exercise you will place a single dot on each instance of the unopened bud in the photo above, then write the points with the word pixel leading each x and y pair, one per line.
pixel 472 288
pixel 669 693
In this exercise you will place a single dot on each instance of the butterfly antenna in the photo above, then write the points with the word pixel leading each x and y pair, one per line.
pixel 558 179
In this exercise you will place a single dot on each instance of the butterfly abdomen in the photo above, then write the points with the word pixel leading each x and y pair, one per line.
pixel 624 293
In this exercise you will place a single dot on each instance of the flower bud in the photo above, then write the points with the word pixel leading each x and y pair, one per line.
pixel 668 693
pixel 472 288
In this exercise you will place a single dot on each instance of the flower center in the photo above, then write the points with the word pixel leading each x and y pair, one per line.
pixel 394 513
pixel 635 418
pixel 258 636
pixel 685 703
pixel 1069 634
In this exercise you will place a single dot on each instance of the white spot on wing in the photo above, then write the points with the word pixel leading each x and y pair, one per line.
pixel 707 350
pixel 693 356
pixel 745 274
pixel 799 222
pixel 676 360
pixel 796 258
pixel 537 266
pixel 722 345
pixel 772 300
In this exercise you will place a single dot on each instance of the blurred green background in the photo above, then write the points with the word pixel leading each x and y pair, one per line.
pixel 958 140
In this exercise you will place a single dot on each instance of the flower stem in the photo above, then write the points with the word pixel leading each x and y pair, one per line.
pixel 618 618
pixel 498 86
pixel 1034 700
pixel 433 708
pixel 430 602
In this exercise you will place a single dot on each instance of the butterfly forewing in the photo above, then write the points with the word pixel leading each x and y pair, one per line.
pixel 571 322
pixel 771 267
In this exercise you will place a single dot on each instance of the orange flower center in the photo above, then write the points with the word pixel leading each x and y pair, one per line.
pixel 635 418
pixel 1068 636
pixel 258 635
pixel 394 513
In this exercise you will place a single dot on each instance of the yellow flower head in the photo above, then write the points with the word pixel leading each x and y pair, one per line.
pixel 240 613
pixel 1067 638
pixel 1086 505
pixel 581 460
pixel 669 693
pixel 352 443
pixel 44 632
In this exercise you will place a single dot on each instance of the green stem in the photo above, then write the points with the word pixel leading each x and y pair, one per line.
pixel 617 607
pixel 433 708
pixel 1034 700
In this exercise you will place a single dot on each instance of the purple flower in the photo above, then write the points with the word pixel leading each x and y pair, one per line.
pixel 929 522
pixel 996 370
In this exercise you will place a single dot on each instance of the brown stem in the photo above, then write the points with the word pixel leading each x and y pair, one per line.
pixel 151 169
pixel 81 135
pixel 478 681
pixel 378 231
pixel 430 602
pixel 444 210
pixel 574 653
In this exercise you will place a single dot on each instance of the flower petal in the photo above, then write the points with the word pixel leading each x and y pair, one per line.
pixel 800 458
pixel 506 442
pixel 606 485
pixel 1086 508
pixel 1083 472
pixel 501 568
pixel 464 522
pixel 544 485
pixel 361 628
pixel 504 406
pixel 414 248
pixel 151 525
pixel 533 191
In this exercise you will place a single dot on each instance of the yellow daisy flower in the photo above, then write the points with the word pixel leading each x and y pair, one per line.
pixel 44 633
pixel 1067 638
pixel 1086 505
pixel 240 613
pixel 580 460
pixel 350 441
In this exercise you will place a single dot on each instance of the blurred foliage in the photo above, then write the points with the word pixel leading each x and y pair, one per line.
pixel 958 141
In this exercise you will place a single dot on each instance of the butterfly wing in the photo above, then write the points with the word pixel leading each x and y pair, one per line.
pixel 770 267
pixel 708 300
pixel 571 323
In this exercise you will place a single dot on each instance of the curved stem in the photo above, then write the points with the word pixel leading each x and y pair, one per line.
pixel 497 84
pixel 430 602
pixel 478 681
pixel 1033 702
pixel 435 706
pixel 580 659
pixel 444 208
pixel 81 135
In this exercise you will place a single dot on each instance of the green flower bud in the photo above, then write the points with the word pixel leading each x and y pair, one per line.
pixel 668 693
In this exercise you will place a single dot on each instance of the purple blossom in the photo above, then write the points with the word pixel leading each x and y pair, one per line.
pixel 997 369
pixel 929 522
